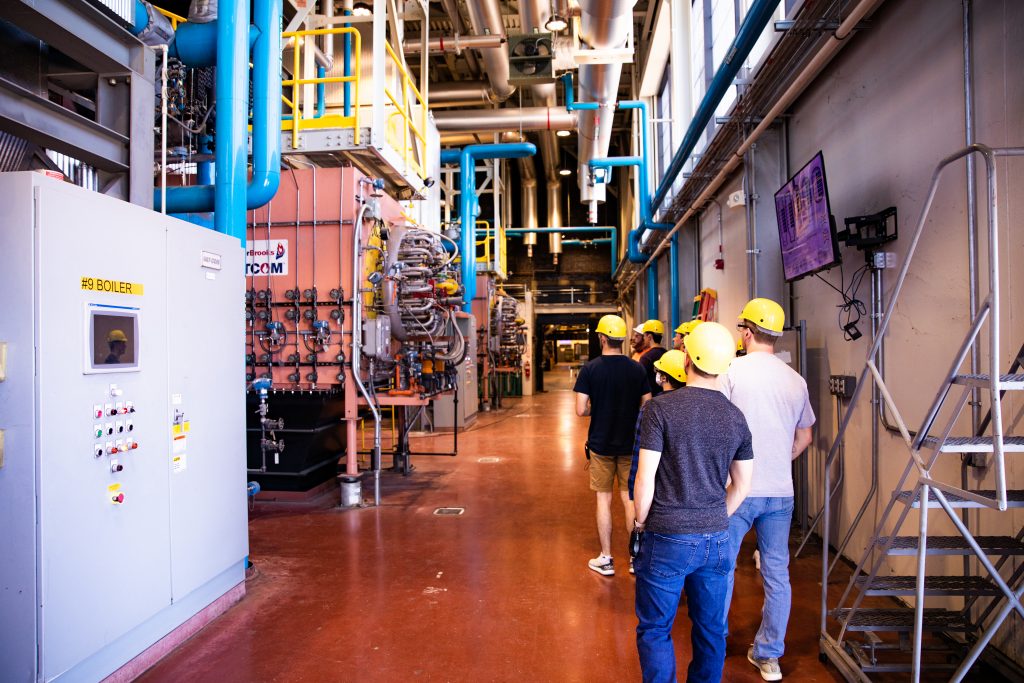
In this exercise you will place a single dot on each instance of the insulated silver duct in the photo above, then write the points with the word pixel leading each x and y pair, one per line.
pixel 555 218
pixel 462 92
pixel 604 24
pixel 533 15
pixel 529 202
pixel 501 120
pixel 485 16
pixel 441 44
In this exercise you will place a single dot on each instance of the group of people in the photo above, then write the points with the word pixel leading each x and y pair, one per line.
pixel 699 444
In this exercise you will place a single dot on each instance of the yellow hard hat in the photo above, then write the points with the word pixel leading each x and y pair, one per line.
pixel 688 327
pixel 612 326
pixel 673 363
pixel 654 327
pixel 711 348
pixel 116 336
pixel 766 314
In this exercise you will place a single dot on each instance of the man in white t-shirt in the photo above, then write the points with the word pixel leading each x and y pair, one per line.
pixel 773 398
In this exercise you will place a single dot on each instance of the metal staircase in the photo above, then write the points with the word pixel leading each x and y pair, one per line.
pixel 988 598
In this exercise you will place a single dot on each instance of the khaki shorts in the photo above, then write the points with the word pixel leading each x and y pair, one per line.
pixel 604 469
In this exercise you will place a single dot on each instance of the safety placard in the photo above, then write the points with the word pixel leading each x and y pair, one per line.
pixel 99 284
pixel 179 463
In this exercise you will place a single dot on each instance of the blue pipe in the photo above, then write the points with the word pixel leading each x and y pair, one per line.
pixel 230 195
pixel 348 67
pixel 570 98
pixel 321 93
pixel 468 206
pixel 652 291
pixel 673 265
pixel 205 169
pixel 753 25
pixel 232 84
pixel 196 44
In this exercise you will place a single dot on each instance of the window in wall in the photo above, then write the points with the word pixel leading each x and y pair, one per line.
pixel 723 31
pixel 761 46
pixel 663 125
pixel 697 52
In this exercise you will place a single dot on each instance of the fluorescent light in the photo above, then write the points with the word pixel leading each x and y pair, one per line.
pixel 563 133
pixel 564 171
pixel 556 24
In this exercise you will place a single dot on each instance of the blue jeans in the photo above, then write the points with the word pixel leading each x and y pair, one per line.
pixel 772 518
pixel 666 564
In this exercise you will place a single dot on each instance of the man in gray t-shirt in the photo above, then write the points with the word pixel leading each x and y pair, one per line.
pixel 773 399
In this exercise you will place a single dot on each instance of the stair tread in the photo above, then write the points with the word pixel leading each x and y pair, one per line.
pixel 1014 498
pixel 975 444
pixel 902 619
pixel 1016 381
pixel 955 545
pixel 933 585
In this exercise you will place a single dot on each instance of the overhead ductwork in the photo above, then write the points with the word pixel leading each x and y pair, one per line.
pixel 555 218
pixel 528 175
pixel 485 16
pixel 500 120
pixel 604 24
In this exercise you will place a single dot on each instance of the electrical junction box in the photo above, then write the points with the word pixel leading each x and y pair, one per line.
pixel 123 489
pixel 842 385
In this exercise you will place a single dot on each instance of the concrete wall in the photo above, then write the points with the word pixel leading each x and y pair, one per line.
pixel 884 113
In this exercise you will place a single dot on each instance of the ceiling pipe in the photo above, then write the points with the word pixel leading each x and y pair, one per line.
pixel 466 92
pixel 500 120
pixel 463 139
pixel 451 8
pixel 533 16
pixel 795 89
pixel 485 16
pixel 528 174
pixel 604 24
pixel 456 44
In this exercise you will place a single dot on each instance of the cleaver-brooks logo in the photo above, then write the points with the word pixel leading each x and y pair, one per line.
pixel 266 257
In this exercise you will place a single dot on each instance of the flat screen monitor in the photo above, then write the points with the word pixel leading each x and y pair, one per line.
pixel 806 231
pixel 114 339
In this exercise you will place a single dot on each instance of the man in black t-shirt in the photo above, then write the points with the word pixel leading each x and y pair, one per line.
pixel 653 332
pixel 692 440
pixel 610 389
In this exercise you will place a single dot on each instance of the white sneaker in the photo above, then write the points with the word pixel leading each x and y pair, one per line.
pixel 768 666
pixel 603 565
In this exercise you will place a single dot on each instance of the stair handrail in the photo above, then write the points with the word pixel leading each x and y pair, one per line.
pixel 989 154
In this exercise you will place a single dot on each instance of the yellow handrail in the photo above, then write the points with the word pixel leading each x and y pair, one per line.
pixel 298 123
pixel 175 19
pixel 403 109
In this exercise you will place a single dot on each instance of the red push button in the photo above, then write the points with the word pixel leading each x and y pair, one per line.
pixel 113 450
pixel 135 444
pixel 118 499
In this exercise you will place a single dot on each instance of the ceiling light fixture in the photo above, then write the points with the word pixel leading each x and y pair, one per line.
pixel 564 172
pixel 563 133
pixel 556 24
pixel 362 10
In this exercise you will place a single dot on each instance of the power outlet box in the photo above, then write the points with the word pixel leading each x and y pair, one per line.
pixel 841 385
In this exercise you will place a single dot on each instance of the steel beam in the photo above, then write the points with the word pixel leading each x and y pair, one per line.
pixel 80 31
pixel 49 125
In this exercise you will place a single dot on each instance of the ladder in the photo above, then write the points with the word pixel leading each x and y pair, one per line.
pixel 972 627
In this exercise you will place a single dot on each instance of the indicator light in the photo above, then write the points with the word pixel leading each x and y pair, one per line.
pixel 118 499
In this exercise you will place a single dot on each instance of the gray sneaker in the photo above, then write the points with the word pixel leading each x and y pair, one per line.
pixel 602 564
pixel 768 666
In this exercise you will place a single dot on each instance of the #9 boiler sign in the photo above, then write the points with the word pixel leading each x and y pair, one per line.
pixel 266 257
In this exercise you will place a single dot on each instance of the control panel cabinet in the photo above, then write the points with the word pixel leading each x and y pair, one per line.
pixel 122 485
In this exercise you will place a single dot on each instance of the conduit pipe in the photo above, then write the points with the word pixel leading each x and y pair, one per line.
pixel 468 207
pixel 230 196
pixel 652 290
pixel 500 120
pixel 673 275
pixel 796 88
pixel 485 17
pixel 753 25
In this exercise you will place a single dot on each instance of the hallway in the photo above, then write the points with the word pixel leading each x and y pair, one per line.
pixel 501 593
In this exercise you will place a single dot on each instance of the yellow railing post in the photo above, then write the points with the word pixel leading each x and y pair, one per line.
pixel 296 81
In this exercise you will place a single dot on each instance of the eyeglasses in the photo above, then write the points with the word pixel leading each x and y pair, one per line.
pixel 742 326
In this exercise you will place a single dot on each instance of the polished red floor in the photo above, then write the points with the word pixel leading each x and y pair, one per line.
pixel 501 593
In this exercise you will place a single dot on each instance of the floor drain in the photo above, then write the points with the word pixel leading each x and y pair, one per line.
pixel 489 460
pixel 449 511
